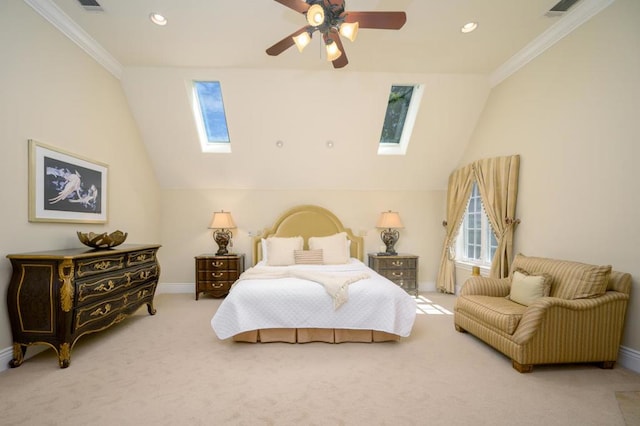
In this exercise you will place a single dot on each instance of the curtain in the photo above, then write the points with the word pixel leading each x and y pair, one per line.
pixel 459 190
pixel 497 180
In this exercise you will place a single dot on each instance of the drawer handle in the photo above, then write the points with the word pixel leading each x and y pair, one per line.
pixel 397 263
pixel 101 266
pixel 397 274
pixel 217 285
pixel 107 287
pixel 101 312
pixel 217 264
pixel 217 275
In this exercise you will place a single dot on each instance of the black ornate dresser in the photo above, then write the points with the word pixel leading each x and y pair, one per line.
pixel 55 297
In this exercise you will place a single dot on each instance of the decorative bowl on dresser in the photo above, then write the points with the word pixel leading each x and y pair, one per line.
pixel 402 269
pixel 215 274
pixel 55 297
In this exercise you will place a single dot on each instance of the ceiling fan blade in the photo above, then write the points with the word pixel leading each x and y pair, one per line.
pixel 342 61
pixel 285 43
pixel 297 5
pixel 380 20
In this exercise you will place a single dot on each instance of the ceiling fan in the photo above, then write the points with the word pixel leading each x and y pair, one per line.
pixel 330 19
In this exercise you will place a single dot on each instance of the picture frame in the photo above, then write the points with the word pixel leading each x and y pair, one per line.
pixel 65 187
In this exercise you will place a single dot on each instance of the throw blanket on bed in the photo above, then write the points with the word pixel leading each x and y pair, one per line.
pixel 336 285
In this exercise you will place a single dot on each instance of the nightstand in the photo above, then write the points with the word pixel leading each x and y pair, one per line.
pixel 216 274
pixel 402 269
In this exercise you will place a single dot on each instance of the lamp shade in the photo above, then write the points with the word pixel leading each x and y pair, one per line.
pixel 315 15
pixel 222 220
pixel 389 220
pixel 302 40
pixel 333 51
pixel 349 30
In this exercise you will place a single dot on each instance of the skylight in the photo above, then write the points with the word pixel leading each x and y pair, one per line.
pixel 211 120
pixel 402 110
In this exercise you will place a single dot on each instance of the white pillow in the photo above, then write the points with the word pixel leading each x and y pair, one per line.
pixel 280 251
pixel 263 243
pixel 526 289
pixel 335 248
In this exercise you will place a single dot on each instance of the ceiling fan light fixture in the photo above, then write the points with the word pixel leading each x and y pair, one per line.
pixel 302 40
pixel 333 52
pixel 349 30
pixel 315 15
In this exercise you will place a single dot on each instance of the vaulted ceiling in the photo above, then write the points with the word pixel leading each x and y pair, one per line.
pixel 298 98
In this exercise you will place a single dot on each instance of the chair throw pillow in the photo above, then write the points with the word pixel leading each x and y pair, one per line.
pixel 526 289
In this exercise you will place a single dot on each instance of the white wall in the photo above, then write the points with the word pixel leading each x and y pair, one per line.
pixel 573 115
pixel 51 91
pixel 186 214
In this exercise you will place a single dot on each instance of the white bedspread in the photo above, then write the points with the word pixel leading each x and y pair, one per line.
pixel 375 303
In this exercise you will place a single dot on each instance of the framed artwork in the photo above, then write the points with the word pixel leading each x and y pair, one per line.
pixel 64 187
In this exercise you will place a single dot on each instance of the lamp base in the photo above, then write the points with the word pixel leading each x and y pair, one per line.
pixel 389 238
pixel 222 237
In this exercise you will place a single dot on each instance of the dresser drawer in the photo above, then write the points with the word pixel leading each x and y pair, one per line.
pixel 104 286
pixel 99 265
pixel 111 310
pixel 140 257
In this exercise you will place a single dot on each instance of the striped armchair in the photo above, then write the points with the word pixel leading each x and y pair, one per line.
pixel 580 320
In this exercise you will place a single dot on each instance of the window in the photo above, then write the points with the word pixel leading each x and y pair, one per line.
pixel 211 120
pixel 402 110
pixel 476 241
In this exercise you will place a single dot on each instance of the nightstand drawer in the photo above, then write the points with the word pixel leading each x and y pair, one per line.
pixel 401 269
pixel 218 275
pixel 397 274
pixel 407 285
pixel 217 264
pixel 388 263
pixel 215 286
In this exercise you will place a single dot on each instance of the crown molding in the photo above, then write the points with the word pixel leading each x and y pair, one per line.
pixel 583 11
pixel 52 13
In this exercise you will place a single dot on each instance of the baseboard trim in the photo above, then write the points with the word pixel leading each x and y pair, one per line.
pixel 6 355
pixel 629 358
pixel 174 288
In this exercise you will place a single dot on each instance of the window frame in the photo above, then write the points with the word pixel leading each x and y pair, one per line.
pixel 488 241
pixel 198 114
pixel 400 148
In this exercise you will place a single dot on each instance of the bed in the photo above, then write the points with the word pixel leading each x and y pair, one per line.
pixel 309 284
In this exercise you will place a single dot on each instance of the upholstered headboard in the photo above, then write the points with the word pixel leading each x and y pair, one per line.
pixel 308 221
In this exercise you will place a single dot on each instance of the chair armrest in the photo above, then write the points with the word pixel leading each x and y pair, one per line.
pixel 549 312
pixel 485 286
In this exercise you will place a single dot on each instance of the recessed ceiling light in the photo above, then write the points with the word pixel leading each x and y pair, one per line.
pixel 158 19
pixel 468 27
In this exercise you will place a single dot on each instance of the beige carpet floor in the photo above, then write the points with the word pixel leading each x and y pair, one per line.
pixel 170 369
